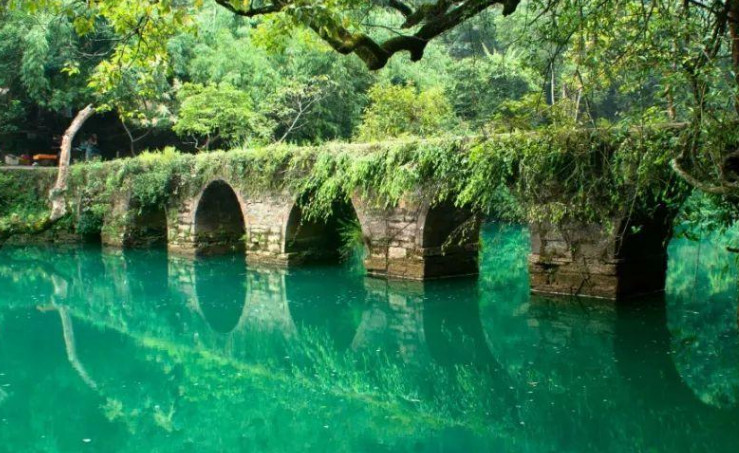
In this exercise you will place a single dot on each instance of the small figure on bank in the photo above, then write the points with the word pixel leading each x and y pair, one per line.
pixel 91 147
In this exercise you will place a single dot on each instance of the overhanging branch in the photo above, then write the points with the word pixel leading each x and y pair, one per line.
pixel 433 20
pixel 251 11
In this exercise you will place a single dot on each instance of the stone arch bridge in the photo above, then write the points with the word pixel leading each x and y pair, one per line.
pixel 415 239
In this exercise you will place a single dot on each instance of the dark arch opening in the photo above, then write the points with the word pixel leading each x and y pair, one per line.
pixel 148 227
pixel 641 251
pixel 220 286
pixel 328 240
pixel 219 221
pixel 450 240
pixel 646 357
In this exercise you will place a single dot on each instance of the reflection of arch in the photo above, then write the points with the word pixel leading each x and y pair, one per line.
pixel 449 237
pixel 643 352
pixel 218 299
pixel 311 240
pixel 231 317
pixel 184 279
pixel 334 310
pixel 456 339
pixel 393 324
pixel 422 322
pixel 219 220
pixel 453 326
pixel 701 296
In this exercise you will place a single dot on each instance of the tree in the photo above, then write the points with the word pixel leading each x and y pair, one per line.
pixel 139 31
pixel 283 73
pixel 219 112
pixel 658 61
pixel 340 23
pixel 295 103
pixel 482 85
pixel 396 110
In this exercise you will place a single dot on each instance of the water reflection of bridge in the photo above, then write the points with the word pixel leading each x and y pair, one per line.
pixel 355 315
pixel 624 354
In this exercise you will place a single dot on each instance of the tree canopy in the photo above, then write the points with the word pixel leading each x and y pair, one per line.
pixel 501 65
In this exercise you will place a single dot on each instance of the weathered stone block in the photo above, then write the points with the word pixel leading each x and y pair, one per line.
pixel 599 261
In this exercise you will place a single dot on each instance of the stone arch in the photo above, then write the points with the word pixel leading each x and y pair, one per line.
pixel 448 238
pixel 218 223
pixel 408 241
pixel 317 240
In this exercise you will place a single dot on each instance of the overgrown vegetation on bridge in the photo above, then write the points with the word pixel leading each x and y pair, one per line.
pixel 588 175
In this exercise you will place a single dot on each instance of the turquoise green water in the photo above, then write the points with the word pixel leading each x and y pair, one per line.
pixel 137 352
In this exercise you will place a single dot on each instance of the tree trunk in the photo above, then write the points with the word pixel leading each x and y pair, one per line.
pixel 131 139
pixel 57 194
pixel 671 111
pixel 733 8
pixel 552 85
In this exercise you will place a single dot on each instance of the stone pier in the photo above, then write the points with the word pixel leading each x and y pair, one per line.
pixel 393 322
pixel 417 241
pixel 610 262
pixel 128 224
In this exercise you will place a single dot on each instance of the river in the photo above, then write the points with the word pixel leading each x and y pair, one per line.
pixel 142 352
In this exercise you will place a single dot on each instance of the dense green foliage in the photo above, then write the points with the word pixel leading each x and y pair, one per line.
pixel 217 111
pixel 396 111
pixel 300 90
pixel 23 200
pixel 225 81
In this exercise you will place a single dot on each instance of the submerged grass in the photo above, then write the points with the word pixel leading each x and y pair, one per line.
pixel 385 393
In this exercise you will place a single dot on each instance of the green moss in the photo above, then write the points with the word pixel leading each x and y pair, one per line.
pixel 553 175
